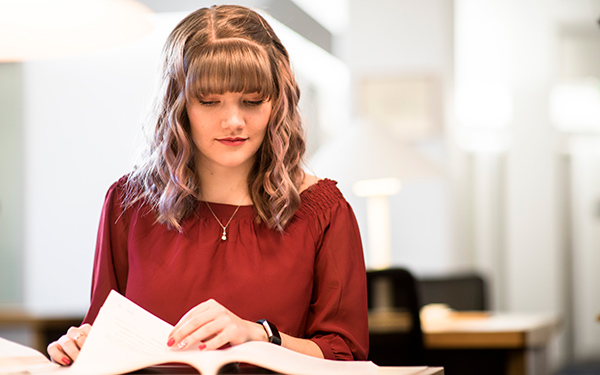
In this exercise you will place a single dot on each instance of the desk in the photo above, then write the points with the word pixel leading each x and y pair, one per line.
pixel 42 328
pixel 520 340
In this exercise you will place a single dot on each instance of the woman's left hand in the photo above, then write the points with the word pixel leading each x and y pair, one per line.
pixel 210 326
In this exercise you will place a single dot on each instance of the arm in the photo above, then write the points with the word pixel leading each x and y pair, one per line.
pixel 110 260
pixel 305 346
pixel 338 319
pixel 210 326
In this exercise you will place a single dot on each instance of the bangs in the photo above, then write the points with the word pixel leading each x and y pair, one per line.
pixel 230 65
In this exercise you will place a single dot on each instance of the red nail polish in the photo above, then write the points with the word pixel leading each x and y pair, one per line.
pixel 171 342
pixel 66 361
pixel 202 346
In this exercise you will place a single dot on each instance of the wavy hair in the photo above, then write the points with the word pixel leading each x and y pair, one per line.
pixel 212 51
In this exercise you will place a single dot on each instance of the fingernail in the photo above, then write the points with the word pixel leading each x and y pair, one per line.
pixel 202 346
pixel 171 342
pixel 182 344
pixel 66 361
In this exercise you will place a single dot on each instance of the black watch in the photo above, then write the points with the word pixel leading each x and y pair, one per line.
pixel 271 330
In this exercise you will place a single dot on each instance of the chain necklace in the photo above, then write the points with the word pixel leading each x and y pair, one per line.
pixel 224 234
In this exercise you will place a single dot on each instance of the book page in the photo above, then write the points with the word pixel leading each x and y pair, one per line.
pixel 280 360
pixel 16 358
pixel 125 338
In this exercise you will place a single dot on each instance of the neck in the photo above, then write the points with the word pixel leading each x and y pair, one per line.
pixel 227 186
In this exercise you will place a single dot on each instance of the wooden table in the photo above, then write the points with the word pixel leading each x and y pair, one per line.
pixel 42 328
pixel 483 330
pixel 520 339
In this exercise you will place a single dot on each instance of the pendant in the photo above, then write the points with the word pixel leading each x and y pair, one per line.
pixel 224 235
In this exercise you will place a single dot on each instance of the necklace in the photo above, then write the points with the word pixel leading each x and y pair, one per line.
pixel 224 235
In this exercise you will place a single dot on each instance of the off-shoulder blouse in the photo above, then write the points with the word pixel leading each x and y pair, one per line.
pixel 309 280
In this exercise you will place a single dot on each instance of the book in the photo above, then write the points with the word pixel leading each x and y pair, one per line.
pixel 18 359
pixel 126 338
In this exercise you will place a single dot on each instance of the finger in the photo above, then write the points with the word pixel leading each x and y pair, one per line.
pixel 182 337
pixel 192 320
pixel 232 331
pixel 199 309
pixel 69 347
pixel 216 341
pixel 84 330
pixel 207 332
pixel 77 335
pixel 58 355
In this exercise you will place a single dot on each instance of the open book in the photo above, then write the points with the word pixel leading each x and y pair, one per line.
pixel 125 338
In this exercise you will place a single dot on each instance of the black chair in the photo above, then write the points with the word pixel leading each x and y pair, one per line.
pixel 461 292
pixel 396 347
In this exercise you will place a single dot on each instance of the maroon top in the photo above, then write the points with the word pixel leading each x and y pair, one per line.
pixel 309 281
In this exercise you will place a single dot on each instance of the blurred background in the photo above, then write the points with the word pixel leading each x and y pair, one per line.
pixel 464 133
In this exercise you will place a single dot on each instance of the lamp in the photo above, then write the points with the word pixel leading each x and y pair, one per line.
pixel 369 163
pixel 40 29
pixel 377 192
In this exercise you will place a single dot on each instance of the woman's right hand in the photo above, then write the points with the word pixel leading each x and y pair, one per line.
pixel 66 349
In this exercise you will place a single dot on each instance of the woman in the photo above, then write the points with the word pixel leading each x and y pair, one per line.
pixel 220 232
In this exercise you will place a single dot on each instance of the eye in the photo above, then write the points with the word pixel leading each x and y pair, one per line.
pixel 207 102
pixel 254 103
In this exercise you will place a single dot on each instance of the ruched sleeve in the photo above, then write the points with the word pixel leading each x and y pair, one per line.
pixel 110 260
pixel 338 317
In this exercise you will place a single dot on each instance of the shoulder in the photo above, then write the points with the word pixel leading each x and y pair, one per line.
pixel 319 196
pixel 116 189
pixel 122 193
pixel 308 181
pixel 123 199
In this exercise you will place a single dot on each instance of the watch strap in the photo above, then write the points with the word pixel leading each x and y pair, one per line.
pixel 271 330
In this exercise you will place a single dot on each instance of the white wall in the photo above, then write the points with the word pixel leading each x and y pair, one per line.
pixel 83 119
pixel 386 38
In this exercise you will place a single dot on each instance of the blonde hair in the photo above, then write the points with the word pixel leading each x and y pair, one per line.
pixel 212 51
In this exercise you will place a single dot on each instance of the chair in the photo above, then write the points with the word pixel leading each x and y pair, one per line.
pixel 396 347
pixel 461 292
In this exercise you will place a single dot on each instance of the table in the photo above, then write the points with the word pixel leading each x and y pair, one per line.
pixel 517 340
pixel 43 328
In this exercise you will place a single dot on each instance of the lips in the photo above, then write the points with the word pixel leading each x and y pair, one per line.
pixel 229 141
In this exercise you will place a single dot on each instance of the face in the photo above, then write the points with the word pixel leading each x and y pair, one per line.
pixel 228 129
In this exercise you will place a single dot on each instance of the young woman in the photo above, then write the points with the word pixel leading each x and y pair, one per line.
pixel 220 231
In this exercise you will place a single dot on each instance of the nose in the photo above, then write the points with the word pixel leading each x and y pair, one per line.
pixel 232 117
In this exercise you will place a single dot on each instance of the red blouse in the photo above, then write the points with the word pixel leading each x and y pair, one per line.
pixel 309 281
